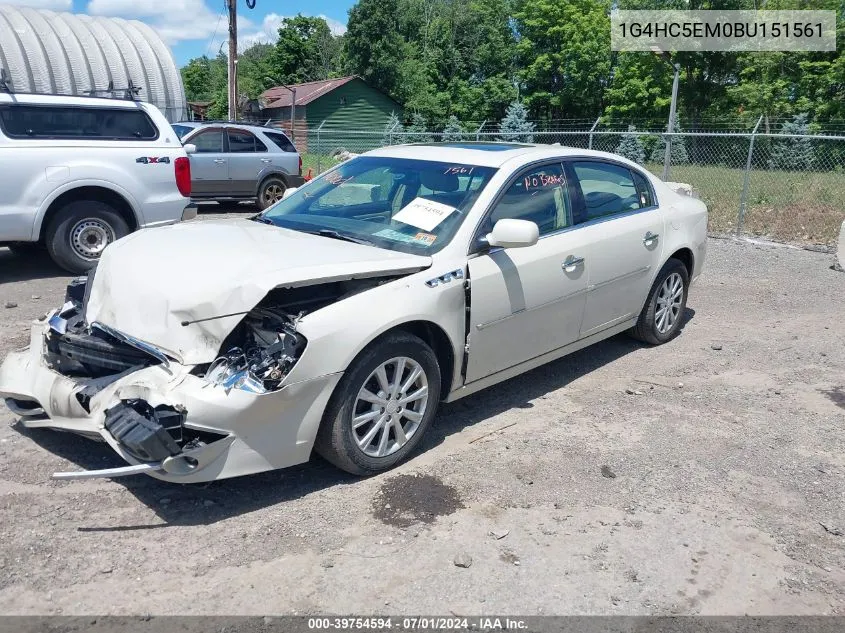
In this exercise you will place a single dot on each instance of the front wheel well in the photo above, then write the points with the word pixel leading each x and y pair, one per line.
pixel 685 256
pixel 439 342
pixel 98 194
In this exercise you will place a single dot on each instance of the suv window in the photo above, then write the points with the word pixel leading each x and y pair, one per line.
pixel 210 141
pixel 181 130
pixel 539 195
pixel 281 141
pixel 241 141
pixel 76 122
pixel 607 189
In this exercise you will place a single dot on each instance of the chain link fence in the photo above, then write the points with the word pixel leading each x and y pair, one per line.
pixel 783 187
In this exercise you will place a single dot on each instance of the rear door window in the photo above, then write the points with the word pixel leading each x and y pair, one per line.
pixel 607 189
pixel 76 122
pixel 241 141
pixel 208 142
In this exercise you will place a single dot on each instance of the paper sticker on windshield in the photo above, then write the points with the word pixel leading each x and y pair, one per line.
pixel 425 238
pixel 424 214
pixel 395 236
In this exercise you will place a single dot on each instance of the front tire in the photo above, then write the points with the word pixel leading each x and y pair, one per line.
pixel 662 316
pixel 382 406
pixel 271 192
pixel 80 231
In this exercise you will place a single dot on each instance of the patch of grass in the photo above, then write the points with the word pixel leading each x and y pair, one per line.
pixel 782 205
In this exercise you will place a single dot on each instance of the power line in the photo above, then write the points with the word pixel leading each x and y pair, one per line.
pixel 213 37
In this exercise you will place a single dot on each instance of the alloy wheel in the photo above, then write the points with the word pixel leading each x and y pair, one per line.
pixel 669 300
pixel 389 407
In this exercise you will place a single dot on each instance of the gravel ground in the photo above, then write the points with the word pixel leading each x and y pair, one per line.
pixel 701 477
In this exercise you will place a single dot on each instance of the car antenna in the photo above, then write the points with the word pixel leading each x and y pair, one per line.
pixel 221 316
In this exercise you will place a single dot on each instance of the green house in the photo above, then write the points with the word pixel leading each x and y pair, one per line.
pixel 353 114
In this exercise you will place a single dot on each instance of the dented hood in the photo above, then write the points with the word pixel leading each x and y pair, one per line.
pixel 148 283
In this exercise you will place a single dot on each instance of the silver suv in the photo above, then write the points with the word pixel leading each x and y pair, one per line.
pixel 77 173
pixel 235 161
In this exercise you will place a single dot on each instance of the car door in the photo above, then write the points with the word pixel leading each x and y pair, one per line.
pixel 248 156
pixel 284 156
pixel 527 301
pixel 209 166
pixel 617 213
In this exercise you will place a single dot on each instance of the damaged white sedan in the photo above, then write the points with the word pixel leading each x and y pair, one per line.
pixel 339 318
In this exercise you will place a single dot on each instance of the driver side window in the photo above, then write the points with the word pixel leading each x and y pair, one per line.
pixel 608 189
pixel 539 195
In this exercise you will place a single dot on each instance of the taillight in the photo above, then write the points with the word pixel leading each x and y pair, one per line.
pixel 300 165
pixel 182 165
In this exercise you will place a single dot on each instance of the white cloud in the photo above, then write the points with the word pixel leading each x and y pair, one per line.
pixel 268 33
pixel 175 20
pixel 55 5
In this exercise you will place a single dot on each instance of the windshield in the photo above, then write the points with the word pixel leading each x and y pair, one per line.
pixel 413 206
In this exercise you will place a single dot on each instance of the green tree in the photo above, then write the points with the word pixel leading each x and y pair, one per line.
pixel 678 152
pixel 793 153
pixel 452 132
pixel 564 50
pixel 373 46
pixel 305 51
pixel 515 126
pixel 393 126
pixel 418 130
pixel 631 146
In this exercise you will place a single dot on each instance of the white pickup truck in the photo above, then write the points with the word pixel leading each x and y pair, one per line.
pixel 81 172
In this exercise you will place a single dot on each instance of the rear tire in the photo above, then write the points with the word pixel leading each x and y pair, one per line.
pixel 80 231
pixel 392 417
pixel 663 313
pixel 270 192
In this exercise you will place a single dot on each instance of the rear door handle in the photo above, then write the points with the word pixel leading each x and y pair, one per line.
pixel 219 161
pixel 266 160
pixel 649 238
pixel 571 263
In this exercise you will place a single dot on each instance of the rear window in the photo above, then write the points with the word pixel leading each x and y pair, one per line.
pixel 69 122
pixel 181 130
pixel 282 141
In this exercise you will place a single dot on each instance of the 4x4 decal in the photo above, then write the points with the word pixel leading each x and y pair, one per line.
pixel 150 160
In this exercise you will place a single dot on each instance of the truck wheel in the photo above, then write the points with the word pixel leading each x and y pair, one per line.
pixel 271 192
pixel 382 406
pixel 80 231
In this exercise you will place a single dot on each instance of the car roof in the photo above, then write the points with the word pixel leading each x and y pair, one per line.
pixel 225 124
pixel 494 154
pixel 45 99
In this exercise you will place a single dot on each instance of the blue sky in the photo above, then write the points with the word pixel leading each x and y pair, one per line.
pixel 198 27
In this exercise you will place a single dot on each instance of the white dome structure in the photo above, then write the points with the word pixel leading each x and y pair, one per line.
pixel 63 53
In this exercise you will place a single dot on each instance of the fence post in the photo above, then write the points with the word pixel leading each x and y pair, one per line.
pixel 667 158
pixel 319 149
pixel 593 129
pixel 390 133
pixel 478 131
pixel 743 201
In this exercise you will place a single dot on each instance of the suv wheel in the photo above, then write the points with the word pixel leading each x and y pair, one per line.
pixel 80 231
pixel 271 192
pixel 382 406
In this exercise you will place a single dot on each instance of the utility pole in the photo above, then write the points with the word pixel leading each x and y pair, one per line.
pixel 232 5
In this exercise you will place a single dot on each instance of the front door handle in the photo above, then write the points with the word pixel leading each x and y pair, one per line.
pixel 219 161
pixel 571 263
pixel 650 238
pixel 266 160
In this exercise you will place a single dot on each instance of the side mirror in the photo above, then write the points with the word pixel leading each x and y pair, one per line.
pixel 509 233
pixel 288 192
pixel 190 148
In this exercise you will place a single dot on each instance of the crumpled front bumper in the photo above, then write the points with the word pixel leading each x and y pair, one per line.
pixel 258 432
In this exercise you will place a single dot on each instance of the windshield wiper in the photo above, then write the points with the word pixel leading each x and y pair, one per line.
pixel 335 235
pixel 260 218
